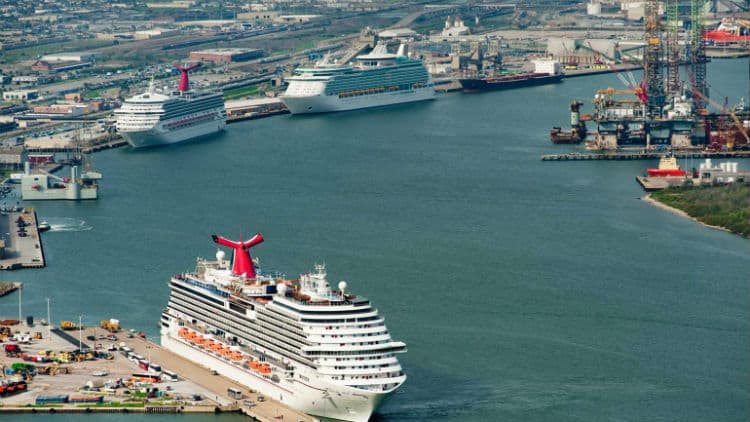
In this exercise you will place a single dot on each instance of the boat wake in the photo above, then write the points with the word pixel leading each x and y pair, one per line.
pixel 66 224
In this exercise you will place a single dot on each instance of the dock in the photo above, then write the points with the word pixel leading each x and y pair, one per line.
pixel 198 390
pixel 21 244
pixel 577 156
pixel 650 184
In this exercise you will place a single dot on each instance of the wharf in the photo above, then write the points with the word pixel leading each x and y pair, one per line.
pixel 265 411
pixel 21 245
pixel 650 184
pixel 254 108
pixel 195 380
pixel 577 156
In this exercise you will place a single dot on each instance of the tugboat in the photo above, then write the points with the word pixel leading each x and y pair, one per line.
pixel 667 167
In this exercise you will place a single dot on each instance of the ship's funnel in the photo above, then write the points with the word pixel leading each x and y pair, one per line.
pixel 242 262
pixel 184 81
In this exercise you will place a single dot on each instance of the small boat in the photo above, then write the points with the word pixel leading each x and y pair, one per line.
pixel 667 167
pixel 43 226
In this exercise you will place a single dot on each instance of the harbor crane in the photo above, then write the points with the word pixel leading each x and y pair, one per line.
pixel 740 127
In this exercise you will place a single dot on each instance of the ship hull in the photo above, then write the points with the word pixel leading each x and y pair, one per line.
pixel 665 172
pixel 332 103
pixel 502 83
pixel 159 136
pixel 318 399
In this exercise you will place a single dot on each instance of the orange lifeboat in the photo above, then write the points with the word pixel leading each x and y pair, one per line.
pixel 236 356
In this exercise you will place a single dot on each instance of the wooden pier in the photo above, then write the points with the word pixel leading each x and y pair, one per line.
pixel 577 156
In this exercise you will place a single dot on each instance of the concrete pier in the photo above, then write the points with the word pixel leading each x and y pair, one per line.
pixel 267 410
pixel 577 156
pixel 194 380
pixel 21 245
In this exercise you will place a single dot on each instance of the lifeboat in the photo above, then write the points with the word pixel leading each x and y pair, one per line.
pixel 254 365
pixel 264 368
pixel 236 356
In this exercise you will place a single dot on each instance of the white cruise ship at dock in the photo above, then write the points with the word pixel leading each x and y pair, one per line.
pixel 153 118
pixel 321 351
pixel 376 79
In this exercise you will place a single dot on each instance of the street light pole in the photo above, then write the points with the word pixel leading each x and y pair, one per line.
pixel 80 332
pixel 20 300
pixel 49 321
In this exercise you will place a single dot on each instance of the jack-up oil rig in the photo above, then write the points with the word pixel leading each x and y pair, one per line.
pixel 661 111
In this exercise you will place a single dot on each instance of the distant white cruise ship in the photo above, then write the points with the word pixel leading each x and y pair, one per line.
pixel 321 351
pixel 376 79
pixel 153 118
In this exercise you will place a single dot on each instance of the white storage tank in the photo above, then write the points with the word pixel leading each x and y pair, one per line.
pixel 593 9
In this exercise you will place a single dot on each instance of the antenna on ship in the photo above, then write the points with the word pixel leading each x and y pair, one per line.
pixel 242 262
pixel 184 80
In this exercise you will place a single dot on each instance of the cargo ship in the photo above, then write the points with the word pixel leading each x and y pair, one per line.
pixel 323 351
pixel 546 72
pixel 376 79
pixel 730 30
pixel 153 118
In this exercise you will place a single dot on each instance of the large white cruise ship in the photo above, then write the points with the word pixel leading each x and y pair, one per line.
pixel 153 118
pixel 321 351
pixel 376 79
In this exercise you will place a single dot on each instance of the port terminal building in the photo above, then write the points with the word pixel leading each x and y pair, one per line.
pixel 226 55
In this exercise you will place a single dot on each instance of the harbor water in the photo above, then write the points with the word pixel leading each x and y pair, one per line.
pixel 525 290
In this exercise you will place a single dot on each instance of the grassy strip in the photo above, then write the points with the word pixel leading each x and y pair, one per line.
pixel 45 405
pixel 724 206
pixel 112 404
pixel 245 91
pixel 33 52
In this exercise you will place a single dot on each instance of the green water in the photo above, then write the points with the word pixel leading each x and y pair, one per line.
pixel 525 290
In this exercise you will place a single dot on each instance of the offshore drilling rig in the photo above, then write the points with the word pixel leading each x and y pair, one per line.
pixel 662 111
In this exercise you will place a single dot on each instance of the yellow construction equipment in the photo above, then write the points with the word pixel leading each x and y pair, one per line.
pixel 68 325
pixel 111 325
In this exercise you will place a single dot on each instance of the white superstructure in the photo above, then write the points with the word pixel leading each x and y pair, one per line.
pixel 324 352
pixel 375 79
pixel 154 118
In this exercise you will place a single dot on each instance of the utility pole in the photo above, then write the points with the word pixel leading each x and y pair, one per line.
pixel 49 321
pixel 80 332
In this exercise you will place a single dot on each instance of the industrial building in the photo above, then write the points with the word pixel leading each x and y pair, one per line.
pixel 664 109
pixel 226 55
pixel 20 95
pixel 70 57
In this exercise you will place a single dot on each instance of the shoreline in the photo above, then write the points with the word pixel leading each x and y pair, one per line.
pixel 647 198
